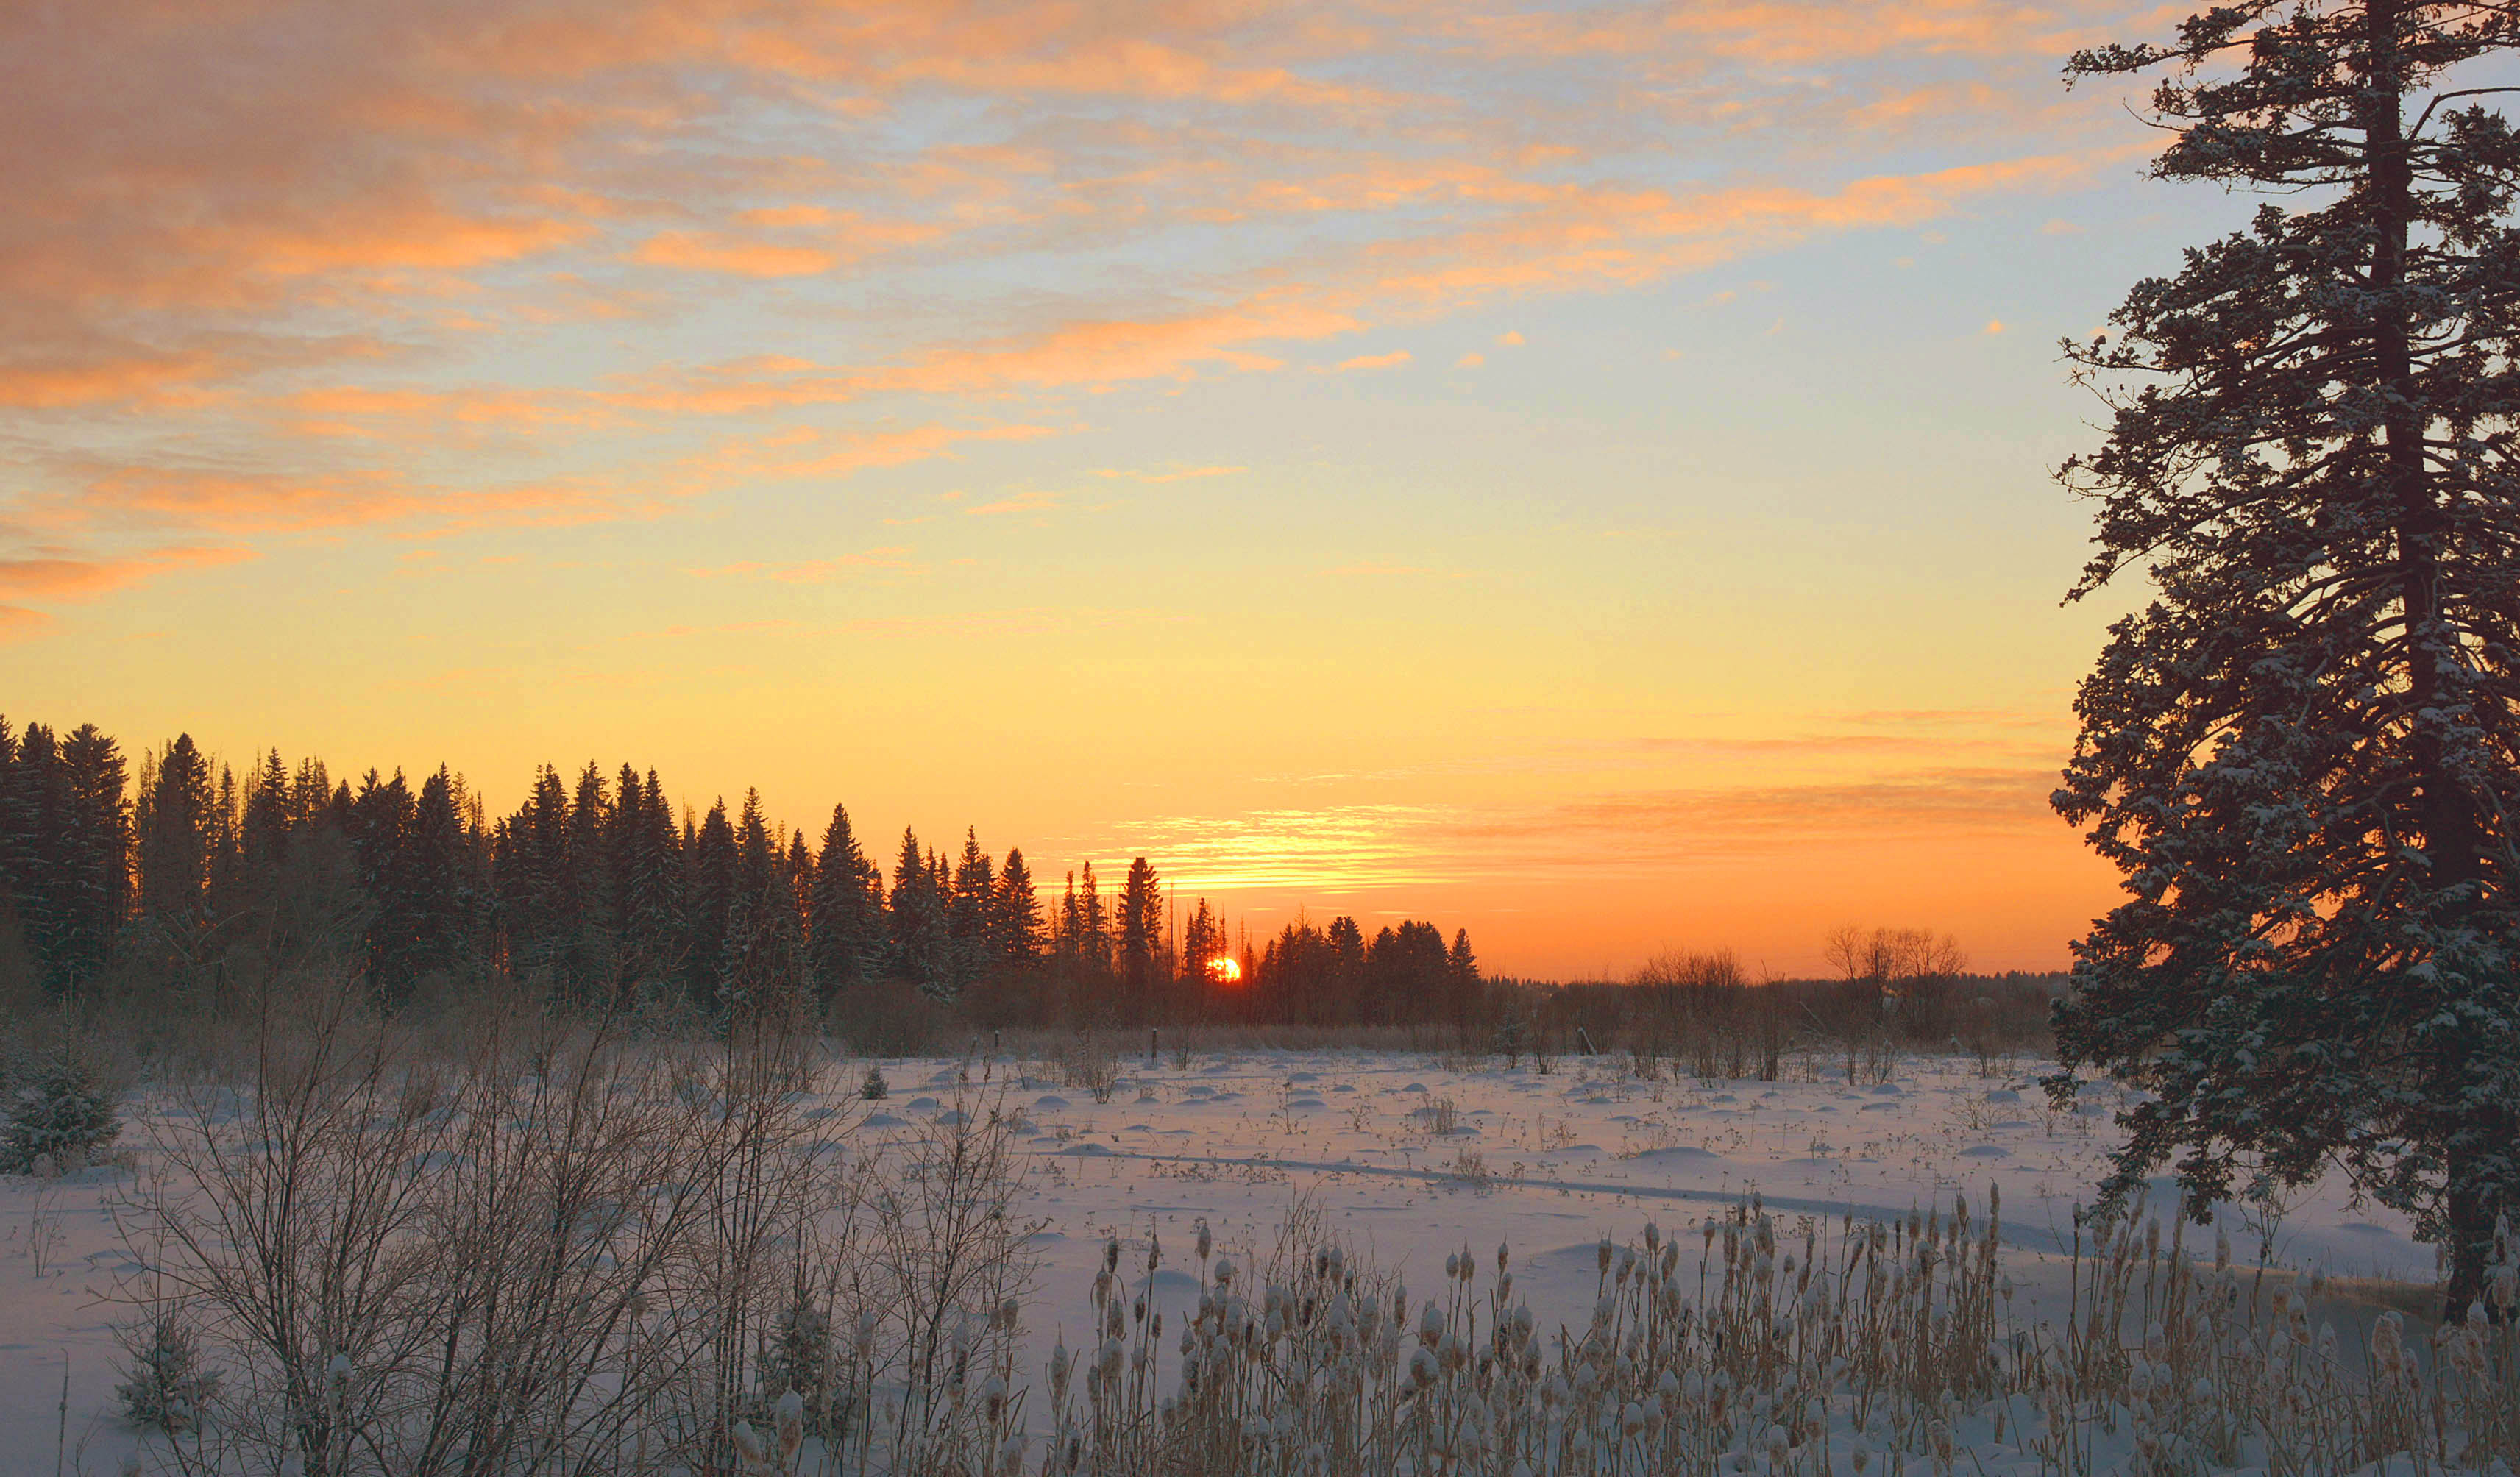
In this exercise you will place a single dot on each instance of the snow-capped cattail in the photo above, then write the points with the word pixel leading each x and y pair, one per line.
pixel 790 1426
pixel 1204 1241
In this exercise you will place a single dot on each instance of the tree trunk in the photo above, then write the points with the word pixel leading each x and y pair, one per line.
pixel 2451 830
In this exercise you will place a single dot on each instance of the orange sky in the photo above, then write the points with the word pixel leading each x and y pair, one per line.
pixel 1579 473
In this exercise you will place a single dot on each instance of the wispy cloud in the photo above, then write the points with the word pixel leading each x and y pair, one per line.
pixel 816 572
pixel 1172 474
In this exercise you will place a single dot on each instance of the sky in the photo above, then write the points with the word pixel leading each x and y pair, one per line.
pixel 1579 473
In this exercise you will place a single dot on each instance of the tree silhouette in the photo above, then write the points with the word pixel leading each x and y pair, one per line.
pixel 2302 752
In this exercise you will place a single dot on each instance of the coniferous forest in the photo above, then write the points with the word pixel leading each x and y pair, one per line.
pixel 175 875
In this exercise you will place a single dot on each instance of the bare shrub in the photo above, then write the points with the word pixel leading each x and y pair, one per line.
pixel 1441 1116
pixel 1086 1060
pixel 543 1249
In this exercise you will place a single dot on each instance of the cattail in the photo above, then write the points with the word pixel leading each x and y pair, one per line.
pixel 1204 1239
pixel 790 1426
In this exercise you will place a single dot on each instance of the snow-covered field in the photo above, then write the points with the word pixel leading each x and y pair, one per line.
pixel 1408 1159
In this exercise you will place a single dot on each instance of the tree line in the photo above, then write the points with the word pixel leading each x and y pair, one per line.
pixel 189 877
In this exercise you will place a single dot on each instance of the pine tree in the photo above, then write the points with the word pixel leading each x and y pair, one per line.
pixel 2300 752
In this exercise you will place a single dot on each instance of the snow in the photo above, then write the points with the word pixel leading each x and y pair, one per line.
pixel 1547 1164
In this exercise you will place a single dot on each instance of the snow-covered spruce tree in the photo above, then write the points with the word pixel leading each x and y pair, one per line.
pixel 2304 752
pixel 61 1112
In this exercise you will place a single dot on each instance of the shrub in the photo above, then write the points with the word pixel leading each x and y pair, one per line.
pixel 61 1113
pixel 164 1385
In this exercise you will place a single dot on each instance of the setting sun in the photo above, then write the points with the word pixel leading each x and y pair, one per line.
pixel 1225 970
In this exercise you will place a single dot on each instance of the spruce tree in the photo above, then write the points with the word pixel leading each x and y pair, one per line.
pixel 590 955
pixel 917 922
pixel 1343 984
pixel 1137 935
pixel 2301 752
pixel 1015 915
pixel 263 835
pixel 976 885
pixel 379 825
pixel 1202 939
pixel 173 820
pixel 761 968
pixel 95 855
pixel 846 949
pixel 429 885
pixel 652 925
pixel 710 886
pixel 1092 926
pixel 1462 975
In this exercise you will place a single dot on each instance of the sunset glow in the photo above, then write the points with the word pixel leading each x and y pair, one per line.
pixel 1577 474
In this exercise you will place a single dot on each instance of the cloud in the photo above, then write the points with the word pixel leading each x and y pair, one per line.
pixel 1023 501
pixel 17 622
pixel 127 379
pixel 818 571
pixel 1393 360
pixel 417 268
pixel 710 252
pixel 1174 474
pixel 53 574
pixel 1470 361
pixel 1994 326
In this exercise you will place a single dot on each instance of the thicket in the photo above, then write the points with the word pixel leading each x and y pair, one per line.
pixel 508 1242
pixel 182 887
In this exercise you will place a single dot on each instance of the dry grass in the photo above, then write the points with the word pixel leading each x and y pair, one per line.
pixel 1860 1348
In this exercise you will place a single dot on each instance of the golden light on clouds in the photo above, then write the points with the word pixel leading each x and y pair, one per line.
pixel 955 411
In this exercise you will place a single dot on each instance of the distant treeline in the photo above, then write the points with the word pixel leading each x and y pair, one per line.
pixel 199 881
